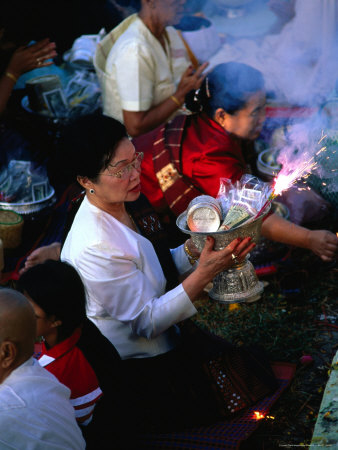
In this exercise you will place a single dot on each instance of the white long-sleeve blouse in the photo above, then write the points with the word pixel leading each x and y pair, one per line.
pixel 125 284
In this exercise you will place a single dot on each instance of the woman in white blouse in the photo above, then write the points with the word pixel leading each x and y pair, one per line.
pixel 144 68
pixel 126 287
pixel 124 280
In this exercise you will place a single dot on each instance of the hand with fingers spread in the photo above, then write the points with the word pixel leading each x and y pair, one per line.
pixel 212 262
pixel 27 58
pixel 190 80
pixel 24 59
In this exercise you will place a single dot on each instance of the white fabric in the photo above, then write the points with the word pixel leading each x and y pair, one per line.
pixel 300 63
pixel 35 411
pixel 138 73
pixel 125 284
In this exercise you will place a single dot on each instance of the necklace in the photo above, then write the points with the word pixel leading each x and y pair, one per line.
pixel 134 226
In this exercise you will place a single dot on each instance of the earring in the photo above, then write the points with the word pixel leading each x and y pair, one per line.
pixel 92 191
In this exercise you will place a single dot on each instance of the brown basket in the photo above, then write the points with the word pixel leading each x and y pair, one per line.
pixel 11 224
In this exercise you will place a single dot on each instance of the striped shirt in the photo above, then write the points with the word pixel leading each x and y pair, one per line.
pixel 68 363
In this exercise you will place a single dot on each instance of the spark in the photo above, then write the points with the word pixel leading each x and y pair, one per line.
pixel 288 176
pixel 258 416
pixel 322 138
pixel 286 179
pixel 323 149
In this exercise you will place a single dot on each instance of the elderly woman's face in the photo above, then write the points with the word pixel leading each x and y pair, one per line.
pixel 169 12
pixel 120 181
pixel 247 123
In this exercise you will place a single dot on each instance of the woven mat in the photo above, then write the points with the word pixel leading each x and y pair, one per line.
pixel 226 434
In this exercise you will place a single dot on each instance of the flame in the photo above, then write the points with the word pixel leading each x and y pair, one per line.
pixel 259 416
pixel 285 179
pixel 289 175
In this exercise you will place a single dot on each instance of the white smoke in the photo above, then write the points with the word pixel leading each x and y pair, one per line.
pixel 300 64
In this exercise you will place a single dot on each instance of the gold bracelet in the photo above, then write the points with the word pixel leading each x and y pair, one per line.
pixel 192 258
pixel 11 76
pixel 174 99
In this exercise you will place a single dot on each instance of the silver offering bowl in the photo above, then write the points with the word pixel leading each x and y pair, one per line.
pixel 240 283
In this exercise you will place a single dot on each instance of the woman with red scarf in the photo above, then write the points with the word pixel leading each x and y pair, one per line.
pixel 189 155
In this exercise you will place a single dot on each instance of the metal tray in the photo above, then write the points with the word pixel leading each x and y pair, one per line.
pixel 30 207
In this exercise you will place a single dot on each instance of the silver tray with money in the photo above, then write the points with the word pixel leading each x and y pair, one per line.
pixel 30 207
pixel 224 237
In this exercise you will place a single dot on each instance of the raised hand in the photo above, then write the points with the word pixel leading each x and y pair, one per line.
pixel 27 58
pixel 190 80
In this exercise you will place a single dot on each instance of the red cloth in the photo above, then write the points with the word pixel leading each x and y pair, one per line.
pixel 69 365
pixel 207 154
pixel 210 153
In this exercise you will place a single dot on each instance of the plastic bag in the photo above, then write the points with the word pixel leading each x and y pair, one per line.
pixel 241 201
pixel 19 183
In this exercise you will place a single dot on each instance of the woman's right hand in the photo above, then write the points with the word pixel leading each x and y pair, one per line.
pixel 190 80
pixel 212 262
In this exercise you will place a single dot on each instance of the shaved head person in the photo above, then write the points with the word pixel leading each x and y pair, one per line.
pixel 17 331
pixel 35 411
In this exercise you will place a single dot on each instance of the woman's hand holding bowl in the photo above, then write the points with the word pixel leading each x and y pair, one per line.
pixel 212 262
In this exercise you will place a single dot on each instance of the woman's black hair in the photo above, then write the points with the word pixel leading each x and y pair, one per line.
pixel 89 143
pixel 227 86
pixel 56 287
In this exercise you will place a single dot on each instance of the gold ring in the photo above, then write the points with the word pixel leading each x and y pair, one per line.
pixel 234 258
pixel 38 61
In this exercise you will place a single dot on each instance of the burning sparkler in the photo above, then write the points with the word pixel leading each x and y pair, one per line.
pixel 287 177
pixel 259 416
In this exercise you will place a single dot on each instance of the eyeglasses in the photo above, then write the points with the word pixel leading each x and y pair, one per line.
pixel 124 173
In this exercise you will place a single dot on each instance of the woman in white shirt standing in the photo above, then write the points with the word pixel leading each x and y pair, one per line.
pixel 144 68
pixel 124 280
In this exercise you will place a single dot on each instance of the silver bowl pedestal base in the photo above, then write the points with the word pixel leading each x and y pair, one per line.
pixel 236 285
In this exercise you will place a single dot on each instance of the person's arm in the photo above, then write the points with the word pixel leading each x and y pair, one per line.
pixel 7 83
pixel 23 60
pixel 41 254
pixel 321 242
pixel 114 281
pixel 133 72
pixel 140 122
